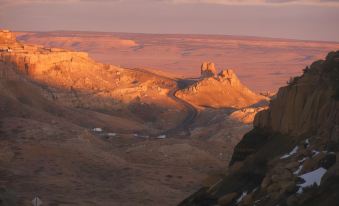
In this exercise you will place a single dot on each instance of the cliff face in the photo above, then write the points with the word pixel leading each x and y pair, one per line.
pixel 290 157
pixel 73 79
pixel 307 105
pixel 6 37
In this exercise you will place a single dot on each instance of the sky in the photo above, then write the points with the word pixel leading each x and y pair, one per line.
pixel 292 19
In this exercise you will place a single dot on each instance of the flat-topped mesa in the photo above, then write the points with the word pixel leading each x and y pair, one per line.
pixel 7 37
pixel 36 59
pixel 208 70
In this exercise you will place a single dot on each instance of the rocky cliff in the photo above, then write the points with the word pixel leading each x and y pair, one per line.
pixel 75 80
pixel 219 91
pixel 290 157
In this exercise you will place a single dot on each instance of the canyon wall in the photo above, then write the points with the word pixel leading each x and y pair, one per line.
pixel 290 157
pixel 308 104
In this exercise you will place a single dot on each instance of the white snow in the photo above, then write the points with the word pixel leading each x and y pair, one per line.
pixel 303 160
pixel 241 197
pixel 97 129
pixel 315 153
pixel 295 150
pixel 161 136
pixel 298 170
pixel 311 178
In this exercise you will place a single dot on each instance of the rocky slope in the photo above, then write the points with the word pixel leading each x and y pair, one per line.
pixel 74 131
pixel 223 90
pixel 135 94
pixel 290 157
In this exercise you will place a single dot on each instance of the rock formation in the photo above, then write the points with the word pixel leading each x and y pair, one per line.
pixel 69 122
pixel 246 115
pixel 222 91
pixel 6 37
pixel 75 80
pixel 290 157
pixel 208 70
pixel 306 106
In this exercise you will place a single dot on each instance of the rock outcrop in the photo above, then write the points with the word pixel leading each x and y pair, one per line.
pixel 6 37
pixel 306 105
pixel 222 91
pixel 246 115
pixel 208 70
pixel 75 80
pixel 290 157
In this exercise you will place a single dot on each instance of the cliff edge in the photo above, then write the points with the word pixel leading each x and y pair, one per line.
pixel 290 157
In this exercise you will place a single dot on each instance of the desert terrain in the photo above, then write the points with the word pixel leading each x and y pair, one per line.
pixel 75 131
pixel 262 64
pixel 137 119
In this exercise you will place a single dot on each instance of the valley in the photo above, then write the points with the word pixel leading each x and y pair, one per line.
pixel 75 131
pixel 121 135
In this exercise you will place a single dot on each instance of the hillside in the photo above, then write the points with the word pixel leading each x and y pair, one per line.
pixel 72 129
pixel 73 79
pixel 290 157
pixel 223 90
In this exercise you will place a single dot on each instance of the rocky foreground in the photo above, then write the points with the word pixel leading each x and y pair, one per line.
pixel 290 157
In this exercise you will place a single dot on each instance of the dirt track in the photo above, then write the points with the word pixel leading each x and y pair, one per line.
pixel 192 113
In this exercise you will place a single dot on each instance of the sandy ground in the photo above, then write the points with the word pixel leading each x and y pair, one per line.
pixel 262 64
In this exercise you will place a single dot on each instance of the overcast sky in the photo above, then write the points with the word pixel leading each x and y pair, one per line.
pixel 293 19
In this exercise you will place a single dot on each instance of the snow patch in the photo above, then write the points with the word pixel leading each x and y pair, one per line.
pixel 97 129
pixel 110 134
pixel 303 160
pixel 298 170
pixel 311 178
pixel 162 136
pixel 241 197
pixel 295 150
pixel 315 153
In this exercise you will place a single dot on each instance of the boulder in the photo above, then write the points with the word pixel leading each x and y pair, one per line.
pixel 275 187
pixel 292 165
pixel 309 165
pixel 247 200
pixel 328 161
pixel 266 182
pixel 288 186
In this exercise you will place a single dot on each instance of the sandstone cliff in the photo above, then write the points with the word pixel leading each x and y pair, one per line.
pixel 75 80
pixel 306 105
pixel 290 157
pixel 222 91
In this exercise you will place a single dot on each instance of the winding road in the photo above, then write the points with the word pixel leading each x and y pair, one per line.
pixel 192 113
